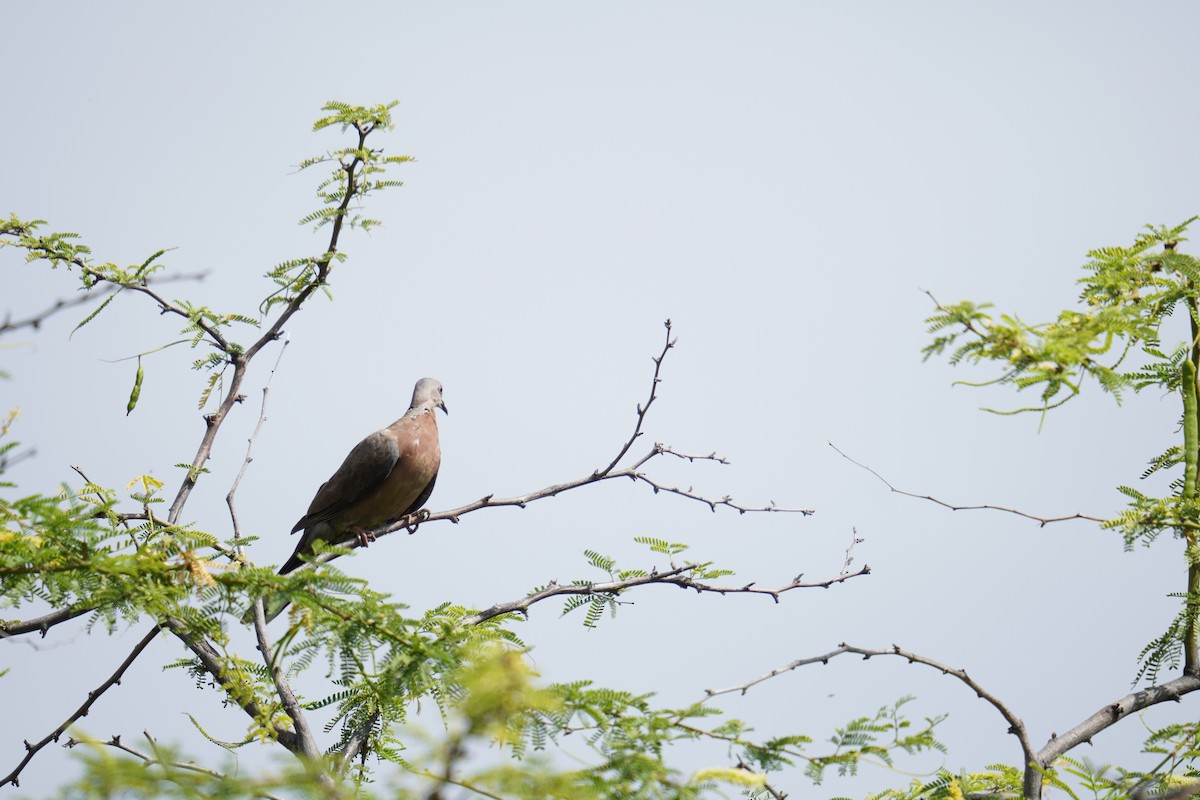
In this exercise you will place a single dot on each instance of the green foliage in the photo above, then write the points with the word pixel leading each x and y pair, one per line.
pixel 1128 296
pixel 448 700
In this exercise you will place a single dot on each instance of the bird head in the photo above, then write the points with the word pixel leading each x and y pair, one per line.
pixel 428 391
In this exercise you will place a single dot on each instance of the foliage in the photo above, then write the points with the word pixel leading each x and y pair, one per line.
pixel 448 696
pixel 1129 297
pixel 424 702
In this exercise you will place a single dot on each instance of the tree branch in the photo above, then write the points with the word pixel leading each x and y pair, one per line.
pixel 1016 726
pixel 44 623
pixel 306 743
pixel 609 472
pixel 675 576
pixel 32 749
pixel 211 661
pixel 262 418
pixel 1043 521
pixel 1108 716
pixel 39 318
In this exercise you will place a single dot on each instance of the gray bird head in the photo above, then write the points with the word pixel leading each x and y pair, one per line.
pixel 428 391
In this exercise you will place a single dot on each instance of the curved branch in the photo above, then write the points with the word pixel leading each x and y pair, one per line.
pixel 1016 726
pixel 1042 521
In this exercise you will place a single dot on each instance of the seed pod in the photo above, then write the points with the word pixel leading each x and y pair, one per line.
pixel 137 389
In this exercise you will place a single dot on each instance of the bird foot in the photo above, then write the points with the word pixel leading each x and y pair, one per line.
pixel 414 519
pixel 364 537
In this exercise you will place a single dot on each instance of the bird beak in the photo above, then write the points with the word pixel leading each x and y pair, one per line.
pixel 442 406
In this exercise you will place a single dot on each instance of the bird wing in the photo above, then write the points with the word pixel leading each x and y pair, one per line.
pixel 364 470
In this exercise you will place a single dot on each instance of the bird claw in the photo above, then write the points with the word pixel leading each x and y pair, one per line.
pixel 364 537
pixel 414 519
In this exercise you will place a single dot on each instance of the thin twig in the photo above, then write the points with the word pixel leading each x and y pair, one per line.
pixel 1042 521
pixel 36 320
pixel 32 749
pixel 262 417
pixel 642 409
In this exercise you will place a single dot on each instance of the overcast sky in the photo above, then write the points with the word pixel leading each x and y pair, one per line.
pixel 781 179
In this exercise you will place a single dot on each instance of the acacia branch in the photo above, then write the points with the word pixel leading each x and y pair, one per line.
pixel 44 623
pixel 675 576
pixel 306 743
pixel 210 659
pixel 39 318
pixel 642 409
pixel 1016 726
pixel 241 361
pixel 1042 521
pixel 32 749
pixel 607 473
pixel 1109 715
pixel 357 742
pixel 156 758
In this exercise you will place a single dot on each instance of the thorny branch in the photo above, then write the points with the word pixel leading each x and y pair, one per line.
pixel 675 576
pixel 1042 521
pixel 31 750
pixel 606 473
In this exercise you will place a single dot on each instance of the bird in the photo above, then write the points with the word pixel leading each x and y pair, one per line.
pixel 388 476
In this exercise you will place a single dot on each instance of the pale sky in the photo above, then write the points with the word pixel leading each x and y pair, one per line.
pixel 781 179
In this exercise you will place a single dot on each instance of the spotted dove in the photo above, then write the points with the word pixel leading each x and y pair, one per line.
pixel 387 476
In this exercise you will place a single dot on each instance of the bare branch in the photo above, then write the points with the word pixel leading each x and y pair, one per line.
pixel 262 417
pixel 1016 726
pixel 1035 760
pixel 642 409
pixel 411 522
pixel 675 576
pixel 32 749
pixel 1108 716
pixel 1042 521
